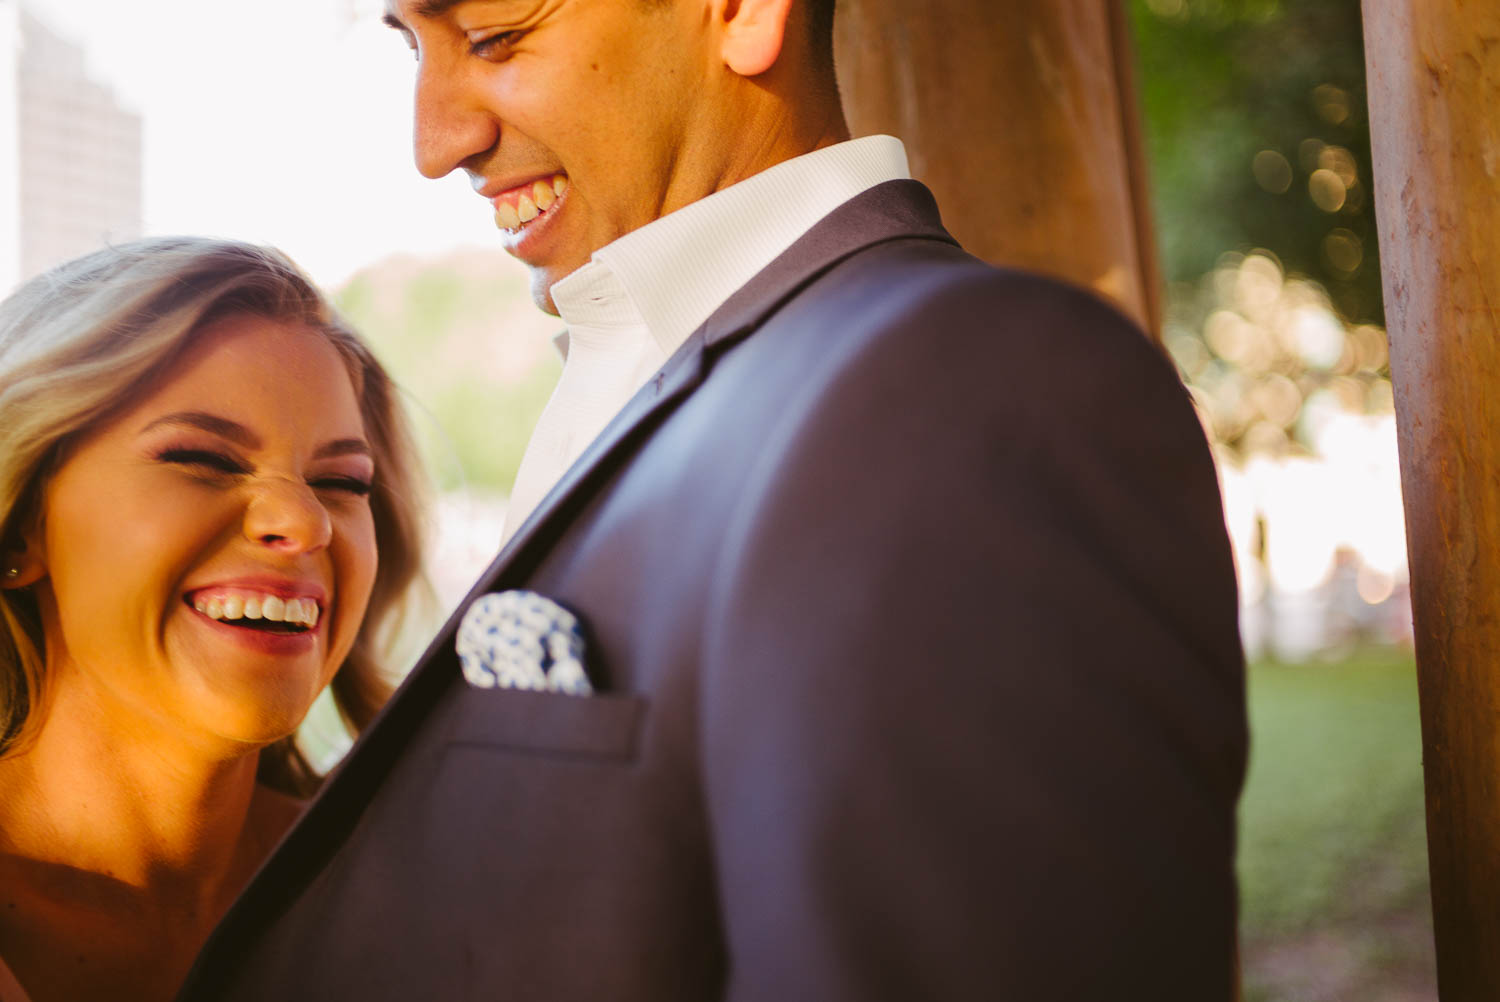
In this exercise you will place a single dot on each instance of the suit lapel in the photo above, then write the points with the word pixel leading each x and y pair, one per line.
pixel 895 210
pixel 890 211
pixel 677 379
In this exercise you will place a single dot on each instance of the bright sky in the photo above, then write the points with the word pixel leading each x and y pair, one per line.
pixel 280 121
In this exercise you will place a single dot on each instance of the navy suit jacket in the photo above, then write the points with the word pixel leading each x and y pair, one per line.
pixel 912 621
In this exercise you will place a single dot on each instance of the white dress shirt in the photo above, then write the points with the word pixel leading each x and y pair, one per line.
pixel 640 297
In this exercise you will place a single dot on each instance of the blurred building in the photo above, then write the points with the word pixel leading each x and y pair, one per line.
pixel 70 154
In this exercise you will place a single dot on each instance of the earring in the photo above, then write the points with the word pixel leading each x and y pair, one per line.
pixel 12 572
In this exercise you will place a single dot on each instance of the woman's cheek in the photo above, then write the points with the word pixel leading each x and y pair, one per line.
pixel 358 563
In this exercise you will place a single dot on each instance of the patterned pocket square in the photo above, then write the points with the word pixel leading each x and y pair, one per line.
pixel 521 640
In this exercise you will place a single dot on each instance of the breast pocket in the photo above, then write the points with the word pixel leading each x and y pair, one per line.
pixel 604 726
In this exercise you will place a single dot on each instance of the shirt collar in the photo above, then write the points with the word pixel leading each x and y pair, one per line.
pixel 671 274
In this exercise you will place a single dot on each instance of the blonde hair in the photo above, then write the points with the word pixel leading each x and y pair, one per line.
pixel 82 341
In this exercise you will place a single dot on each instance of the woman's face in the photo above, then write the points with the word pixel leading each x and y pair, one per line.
pixel 209 553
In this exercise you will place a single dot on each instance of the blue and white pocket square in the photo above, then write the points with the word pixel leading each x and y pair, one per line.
pixel 522 640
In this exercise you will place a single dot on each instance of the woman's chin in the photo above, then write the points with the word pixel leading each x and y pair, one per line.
pixel 250 700
pixel 243 723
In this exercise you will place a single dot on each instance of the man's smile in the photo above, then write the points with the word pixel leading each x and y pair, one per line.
pixel 515 207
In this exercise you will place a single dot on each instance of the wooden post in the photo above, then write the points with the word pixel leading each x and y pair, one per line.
pixel 1022 118
pixel 1434 85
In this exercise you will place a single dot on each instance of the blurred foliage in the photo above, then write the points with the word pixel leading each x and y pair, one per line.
pixel 1267 358
pixel 1258 136
pixel 470 352
pixel 1258 139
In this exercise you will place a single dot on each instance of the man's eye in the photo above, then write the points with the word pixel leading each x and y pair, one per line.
pixel 218 462
pixel 494 47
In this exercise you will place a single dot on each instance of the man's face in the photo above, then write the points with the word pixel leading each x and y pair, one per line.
pixel 578 120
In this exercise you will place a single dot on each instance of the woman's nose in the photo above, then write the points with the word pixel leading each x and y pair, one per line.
pixel 286 515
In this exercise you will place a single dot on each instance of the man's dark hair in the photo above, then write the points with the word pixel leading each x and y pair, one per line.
pixel 820 15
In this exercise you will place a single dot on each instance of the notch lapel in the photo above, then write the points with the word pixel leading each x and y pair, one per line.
pixel 676 380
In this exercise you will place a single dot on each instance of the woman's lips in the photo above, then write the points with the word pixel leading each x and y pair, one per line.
pixel 278 617
pixel 286 640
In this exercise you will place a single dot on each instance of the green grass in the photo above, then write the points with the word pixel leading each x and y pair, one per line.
pixel 1331 822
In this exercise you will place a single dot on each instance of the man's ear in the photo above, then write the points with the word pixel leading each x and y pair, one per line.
pixel 753 34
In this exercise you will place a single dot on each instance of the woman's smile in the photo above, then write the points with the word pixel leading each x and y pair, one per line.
pixel 261 611
pixel 271 617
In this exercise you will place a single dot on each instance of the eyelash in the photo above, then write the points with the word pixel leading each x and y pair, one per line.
pixel 355 486
pixel 216 461
pixel 503 40
pixel 222 464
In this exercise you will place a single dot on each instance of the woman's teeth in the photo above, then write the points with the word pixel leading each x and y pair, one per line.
pixel 270 608
pixel 516 208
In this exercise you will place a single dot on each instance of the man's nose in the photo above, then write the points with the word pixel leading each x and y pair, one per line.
pixel 451 123
pixel 286 515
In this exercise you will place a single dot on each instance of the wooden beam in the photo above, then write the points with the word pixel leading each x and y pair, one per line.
pixel 1434 86
pixel 1022 117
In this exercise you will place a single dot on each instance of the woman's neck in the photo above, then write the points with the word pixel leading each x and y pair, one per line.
pixel 118 835
pixel 119 799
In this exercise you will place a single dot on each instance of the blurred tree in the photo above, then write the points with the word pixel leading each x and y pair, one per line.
pixel 1258 137
pixel 471 353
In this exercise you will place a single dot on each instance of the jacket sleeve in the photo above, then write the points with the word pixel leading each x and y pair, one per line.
pixel 972 690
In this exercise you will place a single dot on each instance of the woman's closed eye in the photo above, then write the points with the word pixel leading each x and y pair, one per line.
pixel 203 459
pixel 357 486
pixel 221 463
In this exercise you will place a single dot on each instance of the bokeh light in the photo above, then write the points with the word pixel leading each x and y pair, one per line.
pixel 1298 406
pixel 1272 171
pixel 1327 189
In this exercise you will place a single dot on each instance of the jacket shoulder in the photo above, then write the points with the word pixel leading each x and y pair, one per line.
pixel 913 297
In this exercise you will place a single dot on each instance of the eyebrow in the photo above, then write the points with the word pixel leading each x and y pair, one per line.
pixel 425 9
pixel 237 433
pixel 222 427
pixel 345 447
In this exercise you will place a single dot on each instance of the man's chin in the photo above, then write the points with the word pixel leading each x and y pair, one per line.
pixel 545 276
pixel 542 280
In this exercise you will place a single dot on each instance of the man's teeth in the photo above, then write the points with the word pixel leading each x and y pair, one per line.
pixel 303 611
pixel 532 202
